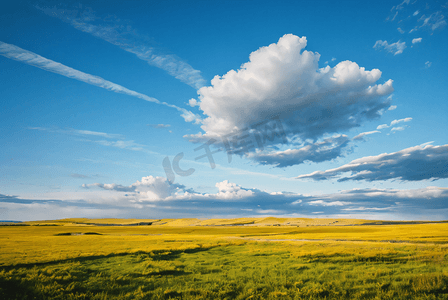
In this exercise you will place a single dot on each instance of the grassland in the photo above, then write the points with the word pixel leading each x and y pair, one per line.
pixel 247 258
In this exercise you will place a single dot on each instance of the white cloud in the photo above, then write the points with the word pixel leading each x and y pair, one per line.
pixel 392 107
pixel 125 37
pixel 396 48
pixel 114 140
pixel 428 64
pixel 284 80
pixel 394 10
pixel 100 134
pixel 363 134
pixel 159 125
pixel 159 189
pixel 87 133
pixel 30 58
pixel 231 191
pixel 148 189
pixel 425 144
pixel 155 188
pixel 394 122
pixel 401 128
pixel 434 18
pixel 395 15
pixel 328 203
pixel 112 187
pixel 400 30
pixel 33 59
pixel 157 192
pixel 328 149
pixel 401 5
pixel 130 145
pixel 76 175
pixel 191 117
pixel 434 21
pixel 411 164
pixel 193 102
pixel 362 208
pixel 416 40
pixel 153 198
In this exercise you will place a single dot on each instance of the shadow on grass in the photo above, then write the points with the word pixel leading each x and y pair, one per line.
pixel 156 255
pixel 12 287
pixel 15 289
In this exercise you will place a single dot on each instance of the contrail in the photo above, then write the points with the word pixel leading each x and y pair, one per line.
pixel 125 37
pixel 33 59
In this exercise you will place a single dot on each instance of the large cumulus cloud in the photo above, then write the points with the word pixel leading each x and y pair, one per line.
pixel 285 80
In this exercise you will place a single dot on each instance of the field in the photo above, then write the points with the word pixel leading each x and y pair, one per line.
pixel 265 258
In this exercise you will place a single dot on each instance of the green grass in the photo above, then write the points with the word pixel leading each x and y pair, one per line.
pixel 78 261
pixel 247 271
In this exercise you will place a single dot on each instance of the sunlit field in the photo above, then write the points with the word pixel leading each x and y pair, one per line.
pixel 248 258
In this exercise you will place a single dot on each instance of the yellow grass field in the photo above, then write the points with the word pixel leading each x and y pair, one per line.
pixel 256 258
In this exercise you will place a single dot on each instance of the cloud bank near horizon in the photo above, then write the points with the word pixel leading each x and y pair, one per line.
pixel 154 197
pixel 410 164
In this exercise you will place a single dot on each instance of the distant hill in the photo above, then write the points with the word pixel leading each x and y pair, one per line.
pixel 264 221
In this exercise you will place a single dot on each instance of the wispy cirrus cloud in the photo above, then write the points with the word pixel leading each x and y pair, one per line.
pixel 33 59
pixel 400 6
pixel 130 145
pixel 159 125
pixel 434 21
pixel 80 176
pixel 411 164
pixel 395 48
pixel 114 31
pixel 363 134
pixel 87 133
pixel 418 15
pixel 113 140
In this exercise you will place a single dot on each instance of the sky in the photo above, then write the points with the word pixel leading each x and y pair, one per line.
pixel 224 109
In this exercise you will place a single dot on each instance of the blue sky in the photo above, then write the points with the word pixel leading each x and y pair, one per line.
pixel 99 100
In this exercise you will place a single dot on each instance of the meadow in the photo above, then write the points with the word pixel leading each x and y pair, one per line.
pixel 264 258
